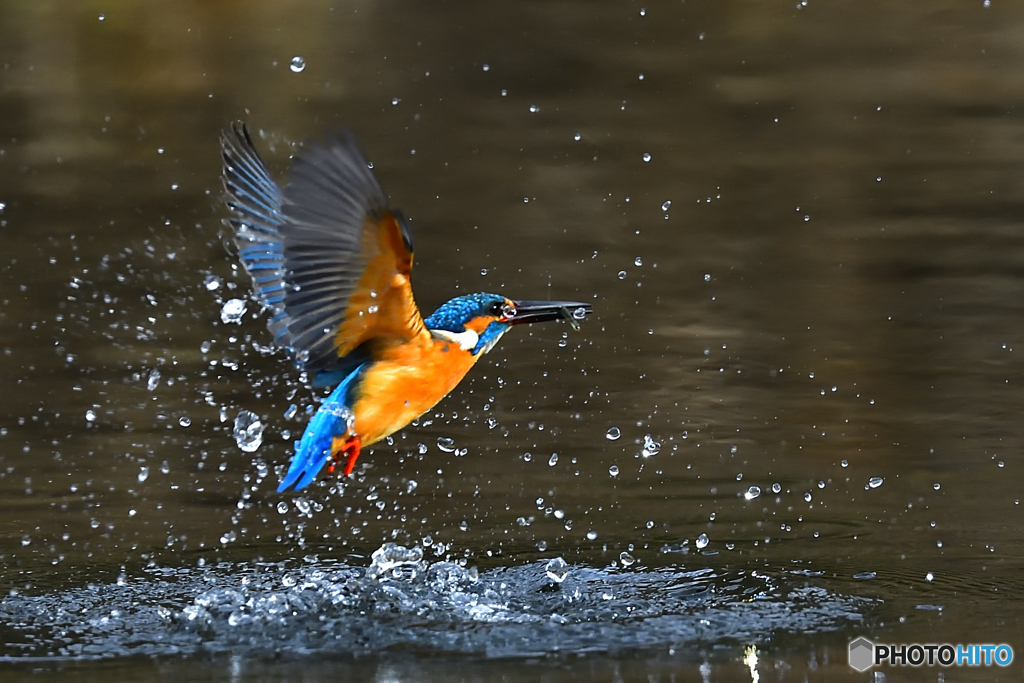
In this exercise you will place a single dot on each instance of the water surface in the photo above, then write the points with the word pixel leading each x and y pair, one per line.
pixel 799 227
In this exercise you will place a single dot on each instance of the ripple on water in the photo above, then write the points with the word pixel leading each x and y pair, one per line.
pixel 402 601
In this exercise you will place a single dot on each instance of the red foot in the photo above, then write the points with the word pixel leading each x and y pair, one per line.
pixel 351 450
pixel 350 446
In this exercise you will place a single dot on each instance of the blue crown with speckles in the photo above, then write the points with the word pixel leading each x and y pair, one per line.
pixel 453 315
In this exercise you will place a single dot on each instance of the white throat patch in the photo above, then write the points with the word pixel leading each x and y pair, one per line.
pixel 467 339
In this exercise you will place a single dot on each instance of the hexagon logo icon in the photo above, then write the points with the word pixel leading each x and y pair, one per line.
pixel 862 654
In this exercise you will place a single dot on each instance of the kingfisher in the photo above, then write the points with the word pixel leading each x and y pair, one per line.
pixel 332 262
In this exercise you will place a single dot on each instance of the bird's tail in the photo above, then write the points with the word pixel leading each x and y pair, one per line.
pixel 313 450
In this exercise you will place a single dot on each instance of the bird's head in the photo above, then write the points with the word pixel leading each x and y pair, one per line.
pixel 476 321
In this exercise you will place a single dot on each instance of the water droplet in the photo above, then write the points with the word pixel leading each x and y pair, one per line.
pixel 579 314
pixel 626 559
pixel 707 277
pixel 90 416
pixel 646 157
pixel 929 577
pixel 487 67
pixel 845 463
pixel 557 569
pixel 391 556
pixel 651 447
pixel 613 434
pixel 936 486
pixel 205 346
pixel 752 492
pixel 185 421
pixel 154 379
pixel 143 474
pixel 212 283
pixel 232 311
pixel 664 207
pixel 702 541
pixel 534 109
pixel 291 411
pixel 622 275
pixel 613 470
pixel 776 487
pixel 591 535
pixel 298 64
pixel 577 137
pixel 638 261
pixel 282 507
pixel 875 482
pixel 248 431
pixel 553 460
pixel 445 444
pixel 808 496
pixel 395 101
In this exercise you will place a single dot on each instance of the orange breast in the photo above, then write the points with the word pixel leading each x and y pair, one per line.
pixel 407 381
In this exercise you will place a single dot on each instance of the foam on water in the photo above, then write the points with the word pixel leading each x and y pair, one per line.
pixel 403 602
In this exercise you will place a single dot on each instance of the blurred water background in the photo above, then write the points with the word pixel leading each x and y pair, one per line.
pixel 794 418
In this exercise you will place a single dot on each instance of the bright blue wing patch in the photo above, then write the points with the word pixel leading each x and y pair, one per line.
pixel 255 199
pixel 314 448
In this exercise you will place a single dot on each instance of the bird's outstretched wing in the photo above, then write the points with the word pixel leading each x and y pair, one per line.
pixel 328 257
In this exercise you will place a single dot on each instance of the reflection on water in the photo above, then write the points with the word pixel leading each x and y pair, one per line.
pixel 799 228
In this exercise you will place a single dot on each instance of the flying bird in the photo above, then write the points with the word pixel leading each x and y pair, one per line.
pixel 331 261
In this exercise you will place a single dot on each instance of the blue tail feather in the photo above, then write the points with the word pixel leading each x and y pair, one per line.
pixel 314 448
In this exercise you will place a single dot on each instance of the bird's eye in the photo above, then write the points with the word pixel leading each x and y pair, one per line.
pixel 508 311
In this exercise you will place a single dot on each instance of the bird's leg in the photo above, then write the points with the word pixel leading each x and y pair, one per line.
pixel 348 444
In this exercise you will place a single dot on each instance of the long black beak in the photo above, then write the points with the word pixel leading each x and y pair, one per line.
pixel 541 311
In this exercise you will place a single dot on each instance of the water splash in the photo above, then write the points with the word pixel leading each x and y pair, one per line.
pixel 557 569
pixel 232 311
pixel 248 431
pixel 402 602
pixel 651 447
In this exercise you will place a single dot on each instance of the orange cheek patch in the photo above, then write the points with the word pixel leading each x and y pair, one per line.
pixel 479 324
